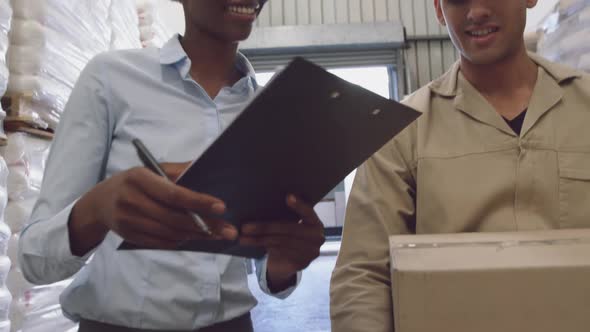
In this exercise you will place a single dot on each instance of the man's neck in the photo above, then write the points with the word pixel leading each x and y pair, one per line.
pixel 212 61
pixel 508 85
pixel 504 76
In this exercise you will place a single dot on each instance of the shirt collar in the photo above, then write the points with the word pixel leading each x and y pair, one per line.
pixel 559 72
pixel 244 66
pixel 172 53
pixel 446 85
pixel 546 94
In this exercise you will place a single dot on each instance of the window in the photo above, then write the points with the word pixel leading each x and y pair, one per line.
pixel 378 79
pixel 375 79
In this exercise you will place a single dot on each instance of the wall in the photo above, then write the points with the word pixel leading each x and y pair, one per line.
pixel 419 16
pixel 430 52
pixel 172 12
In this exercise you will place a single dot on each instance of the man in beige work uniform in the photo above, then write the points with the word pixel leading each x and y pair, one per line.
pixel 503 145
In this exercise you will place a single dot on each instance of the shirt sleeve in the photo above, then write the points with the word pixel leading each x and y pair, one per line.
pixel 75 164
pixel 382 203
pixel 263 283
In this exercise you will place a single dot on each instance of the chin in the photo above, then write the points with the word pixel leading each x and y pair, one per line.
pixel 231 35
pixel 240 37
pixel 484 58
pixel 238 34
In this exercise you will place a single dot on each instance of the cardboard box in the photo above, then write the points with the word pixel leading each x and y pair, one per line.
pixel 492 282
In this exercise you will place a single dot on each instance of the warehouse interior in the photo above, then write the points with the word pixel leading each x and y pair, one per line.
pixel 389 47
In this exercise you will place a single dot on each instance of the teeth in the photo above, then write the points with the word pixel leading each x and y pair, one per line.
pixel 481 32
pixel 243 10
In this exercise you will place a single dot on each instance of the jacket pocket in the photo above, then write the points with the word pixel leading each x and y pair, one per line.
pixel 574 190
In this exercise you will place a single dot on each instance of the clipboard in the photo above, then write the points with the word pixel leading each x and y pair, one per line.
pixel 302 134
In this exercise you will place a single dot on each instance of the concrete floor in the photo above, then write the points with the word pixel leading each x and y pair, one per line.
pixel 307 309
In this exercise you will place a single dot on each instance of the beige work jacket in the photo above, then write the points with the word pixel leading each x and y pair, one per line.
pixel 461 168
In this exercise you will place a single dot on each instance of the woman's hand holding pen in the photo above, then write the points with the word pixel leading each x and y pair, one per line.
pixel 291 246
pixel 145 209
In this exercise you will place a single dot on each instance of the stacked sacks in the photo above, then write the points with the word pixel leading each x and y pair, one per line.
pixel 50 43
pixel 16 284
pixel 564 34
pixel 42 311
pixel 5 233
pixel 161 33
pixel 5 296
pixel 25 157
pixel 33 308
pixel 124 23
pixel 153 33
pixel 5 19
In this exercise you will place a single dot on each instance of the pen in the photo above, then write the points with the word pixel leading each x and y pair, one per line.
pixel 150 162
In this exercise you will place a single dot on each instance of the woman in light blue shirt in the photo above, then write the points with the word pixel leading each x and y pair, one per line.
pixel 95 193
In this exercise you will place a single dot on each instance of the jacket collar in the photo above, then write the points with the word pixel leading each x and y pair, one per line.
pixel 446 85
pixel 547 93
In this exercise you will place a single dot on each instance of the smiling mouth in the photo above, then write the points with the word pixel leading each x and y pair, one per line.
pixel 482 32
pixel 243 9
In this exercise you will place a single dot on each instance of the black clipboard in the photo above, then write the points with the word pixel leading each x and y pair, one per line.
pixel 302 134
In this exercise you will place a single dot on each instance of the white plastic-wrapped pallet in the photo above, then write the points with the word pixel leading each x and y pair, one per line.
pixel 3 197
pixel 5 19
pixel 18 212
pixel 124 24
pixel 50 43
pixel 565 34
pixel 41 311
pixel 145 10
pixel 33 308
pixel 5 264
pixel 25 157
pixel 4 230
pixel 16 284
pixel 161 33
pixel 5 299
pixel 153 33
pixel 4 269
pixel 5 234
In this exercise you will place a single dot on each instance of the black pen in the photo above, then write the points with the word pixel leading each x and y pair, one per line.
pixel 152 164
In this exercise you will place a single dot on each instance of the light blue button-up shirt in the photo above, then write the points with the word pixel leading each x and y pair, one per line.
pixel 146 94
